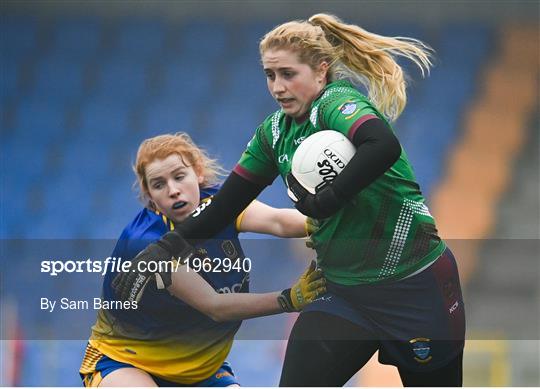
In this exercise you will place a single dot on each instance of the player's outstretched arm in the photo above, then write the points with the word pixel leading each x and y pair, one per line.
pixel 191 288
pixel 205 222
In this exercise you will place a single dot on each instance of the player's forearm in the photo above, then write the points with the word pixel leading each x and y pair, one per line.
pixel 377 150
pixel 239 306
pixel 188 286
pixel 290 224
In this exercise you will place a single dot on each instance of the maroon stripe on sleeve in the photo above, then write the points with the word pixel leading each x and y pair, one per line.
pixel 246 174
pixel 358 123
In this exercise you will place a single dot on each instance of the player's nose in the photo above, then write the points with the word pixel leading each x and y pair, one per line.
pixel 174 190
pixel 278 87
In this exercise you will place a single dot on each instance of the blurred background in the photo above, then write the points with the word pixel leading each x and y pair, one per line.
pixel 83 83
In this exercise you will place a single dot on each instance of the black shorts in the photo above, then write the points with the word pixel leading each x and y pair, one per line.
pixel 419 321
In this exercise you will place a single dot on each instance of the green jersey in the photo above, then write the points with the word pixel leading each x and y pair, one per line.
pixel 386 231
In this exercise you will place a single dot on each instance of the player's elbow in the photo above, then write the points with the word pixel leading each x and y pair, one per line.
pixel 215 310
pixel 280 231
pixel 220 316
pixel 290 224
pixel 292 232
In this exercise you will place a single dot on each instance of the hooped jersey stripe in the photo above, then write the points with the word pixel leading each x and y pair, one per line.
pixel 358 123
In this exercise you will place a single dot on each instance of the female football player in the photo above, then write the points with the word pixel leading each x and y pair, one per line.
pixel 184 338
pixel 393 283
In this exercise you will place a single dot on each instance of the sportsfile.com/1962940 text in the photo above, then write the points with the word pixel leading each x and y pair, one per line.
pixel 119 265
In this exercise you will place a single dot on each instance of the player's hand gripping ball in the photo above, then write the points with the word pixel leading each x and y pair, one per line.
pixel 315 164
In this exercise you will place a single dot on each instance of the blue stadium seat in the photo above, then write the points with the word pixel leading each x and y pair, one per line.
pixel 202 41
pixel 23 159
pixel 169 115
pixel 18 36
pixel 116 206
pixel 77 39
pixel 59 79
pixel 67 205
pixel 123 79
pixel 401 29
pixel 189 82
pixel 15 212
pixel 52 226
pixel 465 45
pixel 140 39
pixel 251 94
pixel 104 121
pixel 22 178
pixel 229 129
pixel 432 123
pixel 252 33
pixel 433 130
pixel 39 121
pixel 94 159
pixel 9 77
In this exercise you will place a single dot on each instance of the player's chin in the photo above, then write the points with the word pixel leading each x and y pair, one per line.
pixel 296 112
pixel 292 112
pixel 179 215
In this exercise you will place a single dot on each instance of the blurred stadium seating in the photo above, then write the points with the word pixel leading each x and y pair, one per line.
pixel 96 89
pixel 78 94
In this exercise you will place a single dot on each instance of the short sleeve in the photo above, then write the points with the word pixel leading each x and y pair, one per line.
pixel 346 113
pixel 256 163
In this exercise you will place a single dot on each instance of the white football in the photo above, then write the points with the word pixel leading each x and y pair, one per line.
pixel 320 158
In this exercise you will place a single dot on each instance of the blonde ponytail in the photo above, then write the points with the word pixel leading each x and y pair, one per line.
pixel 354 53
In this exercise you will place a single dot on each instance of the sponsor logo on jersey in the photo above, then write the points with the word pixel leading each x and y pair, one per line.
pixel 421 349
pixel 283 158
pixel 297 141
pixel 235 288
pixel 453 307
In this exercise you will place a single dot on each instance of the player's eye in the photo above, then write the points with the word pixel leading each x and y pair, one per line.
pixel 179 177
pixel 270 76
pixel 287 74
pixel 157 185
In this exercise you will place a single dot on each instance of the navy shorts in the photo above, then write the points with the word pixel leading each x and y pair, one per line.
pixel 419 321
pixel 223 377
